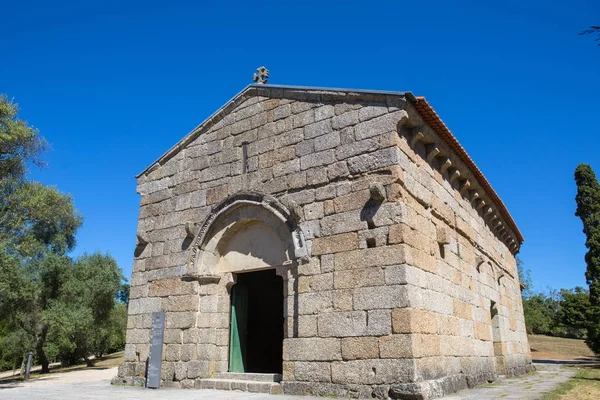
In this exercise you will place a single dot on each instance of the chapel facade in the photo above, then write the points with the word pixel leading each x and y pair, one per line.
pixel 327 242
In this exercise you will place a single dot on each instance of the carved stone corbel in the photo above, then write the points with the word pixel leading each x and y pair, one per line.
pixel 454 175
pixel 432 153
pixel 142 239
pixel 190 229
pixel 446 165
pixel 465 186
pixel 377 192
pixel 417 138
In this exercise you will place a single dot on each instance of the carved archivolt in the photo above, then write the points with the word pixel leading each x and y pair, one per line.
pixel 235 219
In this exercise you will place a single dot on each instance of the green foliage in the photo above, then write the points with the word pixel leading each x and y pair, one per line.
pixel 123 294
pixel 525 279
pixel 50 304
pixel 588 209
pixel 83 320
pixel 19 142
pixel 573 313
pixel 540 313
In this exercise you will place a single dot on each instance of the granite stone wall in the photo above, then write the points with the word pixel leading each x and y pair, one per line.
pixel 407 290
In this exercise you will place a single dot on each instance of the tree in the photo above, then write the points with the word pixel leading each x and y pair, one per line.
pixel 525 279
pixel 592 30
pixel 19 142
pixel 83 319
pixel 540 312
pixel 37 228
pixel 588 210
pixel 123 294
pixel 573 313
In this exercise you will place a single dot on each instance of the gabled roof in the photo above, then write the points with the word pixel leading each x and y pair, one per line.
pixel 253 89
pixel 420 103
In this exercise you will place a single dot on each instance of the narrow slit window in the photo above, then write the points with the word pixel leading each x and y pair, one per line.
pixel 244 157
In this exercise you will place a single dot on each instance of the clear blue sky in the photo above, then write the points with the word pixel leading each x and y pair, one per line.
pixel 114 84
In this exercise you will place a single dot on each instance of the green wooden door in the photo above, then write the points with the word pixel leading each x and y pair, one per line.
pixel 238 330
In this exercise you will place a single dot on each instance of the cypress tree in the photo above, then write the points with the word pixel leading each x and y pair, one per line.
pixel 588 209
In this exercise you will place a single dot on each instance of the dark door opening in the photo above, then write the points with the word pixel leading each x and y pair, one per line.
pixel 256 342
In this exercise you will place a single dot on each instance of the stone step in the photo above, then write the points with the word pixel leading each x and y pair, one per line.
pixel 244 386
pixel 240 376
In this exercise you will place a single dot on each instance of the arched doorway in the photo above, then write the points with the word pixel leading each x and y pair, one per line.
pixel 249 244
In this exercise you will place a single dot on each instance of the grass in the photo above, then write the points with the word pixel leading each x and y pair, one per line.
pixel 549 347
pixel 585 385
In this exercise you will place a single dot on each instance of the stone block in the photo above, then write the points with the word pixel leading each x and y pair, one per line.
pixel 379 322
pixel 312 349
pixel 313 211
pixel 328 141
pixel 324 112
pixel 138 336
pixel 383 124
pixel 337 170
pixel 314 303
pixel 282 112
pixel 180 371
pixel 347 119
pixel 172 352
pixel 483 331
pixel 188 352
pixel 342 324
pixel 369 372
pixel 321 158
pixel 426 345
pixel 317 129
pixel 182 320
pixel 372 298
pixel 357 348
pixel 172 336
pixel 286 168
pixel 312 371
pixel 410 320
pixel 396 346
pixel 370 257
pixel 342 300
pixel 369 112
pixel 349 279
pixel 326 262
pixel 316 176
pixel 320 282
pixel 352 201
pixel 304 118
pixel 144 306
pixel 462 309
pixel 216 194
pixel 342 223
pixel 352 148
pixel 335 244
pixel 307 325
pixel 374 161
pixel 171 287
pixel 181 303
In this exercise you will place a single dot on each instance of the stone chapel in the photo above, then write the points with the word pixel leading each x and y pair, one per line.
pixel 330 242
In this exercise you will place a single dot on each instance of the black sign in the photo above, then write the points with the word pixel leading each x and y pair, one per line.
pixel 156 345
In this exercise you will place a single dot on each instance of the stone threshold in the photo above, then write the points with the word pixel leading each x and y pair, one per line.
pixel 241 385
